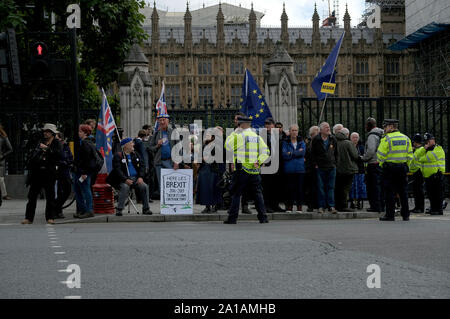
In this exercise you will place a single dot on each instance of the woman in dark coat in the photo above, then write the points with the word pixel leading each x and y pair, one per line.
pixel 209 175
pixel 358 191
pixel 84 167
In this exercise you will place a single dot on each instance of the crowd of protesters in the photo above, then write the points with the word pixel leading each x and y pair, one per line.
pixel 325 169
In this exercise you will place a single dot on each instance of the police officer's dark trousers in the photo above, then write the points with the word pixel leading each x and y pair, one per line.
pixel 434 185
pixel 242 181
pixel 417 185
pixel 395 181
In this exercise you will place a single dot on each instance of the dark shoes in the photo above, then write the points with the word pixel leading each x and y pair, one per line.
pixel 245 210
pixel 264 221
pixel 416 211
pixel 230 222
pixel 60 216
pixel 86 215
pixel 269 210
pixel 147 212
pixel 119 212
pixel 436 213
pixel 387 219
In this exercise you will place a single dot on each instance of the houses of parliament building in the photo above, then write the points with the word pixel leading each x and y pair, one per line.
pixel 202 55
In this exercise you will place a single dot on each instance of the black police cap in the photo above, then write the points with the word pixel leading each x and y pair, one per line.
pixel 244 119
pixel 390 122
pixel 417 138
pixel 428 136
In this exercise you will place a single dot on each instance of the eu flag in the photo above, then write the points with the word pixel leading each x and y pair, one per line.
pixel 327 72
pixel 253 103
pixel 105 130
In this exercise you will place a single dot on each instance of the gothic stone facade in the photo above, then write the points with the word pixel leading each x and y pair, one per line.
pixel 199 64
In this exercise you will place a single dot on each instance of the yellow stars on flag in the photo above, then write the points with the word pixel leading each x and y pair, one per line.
pixel 256 115
pixel 261 110
pixel 242 100
pixel 260 97
pixel 262 104
pixel 250 117
pixel 255 92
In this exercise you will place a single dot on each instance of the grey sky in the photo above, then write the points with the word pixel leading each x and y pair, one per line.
pixel 299 11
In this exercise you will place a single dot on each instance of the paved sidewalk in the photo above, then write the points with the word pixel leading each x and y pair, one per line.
pixel 13 212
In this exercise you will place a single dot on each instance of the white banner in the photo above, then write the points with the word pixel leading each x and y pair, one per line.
pixel 177 191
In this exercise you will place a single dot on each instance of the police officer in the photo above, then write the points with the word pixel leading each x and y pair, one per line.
pixel 250 152
pixel 432 159
pixel 394 155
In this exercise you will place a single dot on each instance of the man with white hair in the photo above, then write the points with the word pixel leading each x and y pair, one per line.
pixel 346 168
pixel 324 154
pixel 337 128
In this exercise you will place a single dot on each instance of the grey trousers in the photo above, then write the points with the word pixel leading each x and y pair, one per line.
pixel 124 192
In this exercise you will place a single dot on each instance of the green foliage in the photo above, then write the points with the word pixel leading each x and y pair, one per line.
pixel 11 16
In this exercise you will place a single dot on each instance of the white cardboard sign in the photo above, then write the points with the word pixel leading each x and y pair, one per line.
pixel 177 192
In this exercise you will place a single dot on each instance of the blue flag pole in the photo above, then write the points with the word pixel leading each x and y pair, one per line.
pixel 331 77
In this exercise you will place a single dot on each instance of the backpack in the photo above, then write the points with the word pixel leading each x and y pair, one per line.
pixel 98 159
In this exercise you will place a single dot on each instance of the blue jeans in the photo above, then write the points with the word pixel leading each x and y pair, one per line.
pixel 325 187
pixel 83 194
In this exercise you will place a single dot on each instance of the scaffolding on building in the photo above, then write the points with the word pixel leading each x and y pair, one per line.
pixel 385 6
pixel 431 74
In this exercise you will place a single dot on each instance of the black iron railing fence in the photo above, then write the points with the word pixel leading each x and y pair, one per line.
pixel 416 115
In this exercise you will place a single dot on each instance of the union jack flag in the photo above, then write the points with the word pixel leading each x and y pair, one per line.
pixel 105 130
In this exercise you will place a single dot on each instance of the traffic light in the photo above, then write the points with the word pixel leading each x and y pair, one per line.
pixel 39 60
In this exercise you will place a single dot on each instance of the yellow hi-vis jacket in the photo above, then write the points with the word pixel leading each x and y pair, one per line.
pixel 395 147
pixel 248 148
pixel 415 165
pixel 432 161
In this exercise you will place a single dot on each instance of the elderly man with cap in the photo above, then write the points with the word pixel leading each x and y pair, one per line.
pixel 432 159
pixel 42 168
pixel 129 172
pixel 415 167
pixel 249 153
pixel 161 144
pixel 394 155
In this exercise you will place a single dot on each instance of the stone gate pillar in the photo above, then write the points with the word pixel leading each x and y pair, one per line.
pixel 281 87
pixel 135 89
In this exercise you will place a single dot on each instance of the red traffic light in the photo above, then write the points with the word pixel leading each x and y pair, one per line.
pixel 39 49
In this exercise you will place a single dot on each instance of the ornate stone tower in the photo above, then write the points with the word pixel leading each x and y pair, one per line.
pixel 252 37
pixel 284 28
pixel 135 93
pixel 281 86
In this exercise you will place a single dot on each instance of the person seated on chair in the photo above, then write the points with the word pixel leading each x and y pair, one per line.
pixel 128 172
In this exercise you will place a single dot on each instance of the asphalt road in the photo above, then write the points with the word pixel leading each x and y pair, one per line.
pixel 282 259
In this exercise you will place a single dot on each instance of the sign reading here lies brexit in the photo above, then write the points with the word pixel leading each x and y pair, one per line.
pixel 176 192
